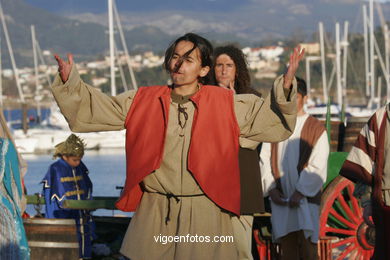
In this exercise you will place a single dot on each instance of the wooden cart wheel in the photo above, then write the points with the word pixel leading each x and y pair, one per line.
pixel 341 219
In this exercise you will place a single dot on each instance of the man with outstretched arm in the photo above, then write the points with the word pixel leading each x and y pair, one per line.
pixel 181 147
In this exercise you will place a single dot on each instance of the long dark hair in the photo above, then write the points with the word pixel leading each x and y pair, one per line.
pixel 242 79
pixel 205 49
pixel 301 86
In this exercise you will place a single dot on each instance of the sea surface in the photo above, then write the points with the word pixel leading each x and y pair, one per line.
pixel 107 170
pixel 14 116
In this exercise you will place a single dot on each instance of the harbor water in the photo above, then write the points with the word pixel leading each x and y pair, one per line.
pixel 107 171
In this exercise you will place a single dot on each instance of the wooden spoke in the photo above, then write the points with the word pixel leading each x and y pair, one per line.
pixel 346 251
pixel 343 242
pixel 341 218
pixel 355 204
pixel 347 209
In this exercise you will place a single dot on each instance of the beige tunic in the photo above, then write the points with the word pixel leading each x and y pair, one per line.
pixel 87 109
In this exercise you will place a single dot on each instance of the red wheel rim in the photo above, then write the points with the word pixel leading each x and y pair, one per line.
pixel 341 218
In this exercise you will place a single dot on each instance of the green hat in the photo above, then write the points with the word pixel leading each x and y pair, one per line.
pixel 73 146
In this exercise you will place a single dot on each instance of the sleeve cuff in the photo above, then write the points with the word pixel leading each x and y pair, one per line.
pixel 249 144
pixel 73 80
pixel 74 77
pixel 285 98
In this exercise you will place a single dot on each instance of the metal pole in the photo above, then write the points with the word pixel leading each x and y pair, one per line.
pixel 323 66
pixel 36 71
pixel 121 73
pixel 366 59
pixel 372 54
pixel 308 77
pixel 379 92
pixel 345 55
pixel 1 78
pixel 381 62
pixel 112 52
pixel 11 54
pixel 387 53
pixel 338 68
pixel 40 56
pixel 331 77
pixel 131 72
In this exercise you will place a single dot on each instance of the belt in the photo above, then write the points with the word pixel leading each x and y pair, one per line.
pixel 176 197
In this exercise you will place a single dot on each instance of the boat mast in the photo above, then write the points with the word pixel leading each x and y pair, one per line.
pixel 381 62
pixel 385 30
pixel 118 22
pixel 34 47
pixel 112 46
pixel 308 79
pixel 379 91
pixel 372 58
pixel 11 53
pixel 323 66
pixel 338 68
pixel 1 78
pixel 387 53
pixel 345 56
pixel 366 59
pixel 121 73
pixel 308 75
pixel 40 56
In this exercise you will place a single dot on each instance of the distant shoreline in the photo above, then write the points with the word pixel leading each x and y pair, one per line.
pixel 12 105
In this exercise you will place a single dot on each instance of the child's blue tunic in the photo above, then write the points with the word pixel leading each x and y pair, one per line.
pixel 62 182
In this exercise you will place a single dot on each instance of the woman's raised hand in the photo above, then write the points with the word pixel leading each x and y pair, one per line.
pixel 295 58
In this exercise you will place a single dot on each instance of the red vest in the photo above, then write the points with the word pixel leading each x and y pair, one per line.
pixel 213 152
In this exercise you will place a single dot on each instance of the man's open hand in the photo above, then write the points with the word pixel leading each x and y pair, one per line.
pixel 64 67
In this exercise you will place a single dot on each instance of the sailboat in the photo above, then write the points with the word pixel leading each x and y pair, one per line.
pixel 371 52
pixel 53 130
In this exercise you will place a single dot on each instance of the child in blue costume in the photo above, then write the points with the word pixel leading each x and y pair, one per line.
pixel 67 179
